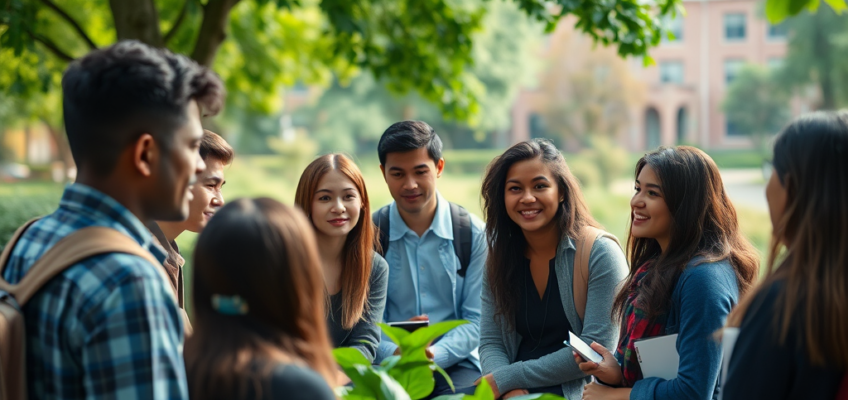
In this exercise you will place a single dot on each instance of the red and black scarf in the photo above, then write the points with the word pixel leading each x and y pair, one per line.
pixel 636 326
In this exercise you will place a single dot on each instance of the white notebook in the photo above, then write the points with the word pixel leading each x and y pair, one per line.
pixel 658 356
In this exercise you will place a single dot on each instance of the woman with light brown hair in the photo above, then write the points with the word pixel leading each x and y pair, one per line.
pixel 793 337
pixel 258 307
pixel 332 193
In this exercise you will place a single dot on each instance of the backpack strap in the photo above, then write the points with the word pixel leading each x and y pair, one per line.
pixel 381 222
pixel 7 251
pixel 461 223
pixel 582 254
pixel 70 250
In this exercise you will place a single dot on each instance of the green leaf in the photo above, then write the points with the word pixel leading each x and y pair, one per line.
pixel 484 391
pixel 348 357
pixel 458 396
pixel 396 334
pixel 447 378
pixel 422 337
pixel 837 5
pixel 416 378
pixel 777 10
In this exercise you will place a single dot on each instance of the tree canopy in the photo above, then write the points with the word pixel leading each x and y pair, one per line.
pixel 258 46
pixel 756 104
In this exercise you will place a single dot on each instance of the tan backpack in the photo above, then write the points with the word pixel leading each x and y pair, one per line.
pixel 78 246
pixel 587 239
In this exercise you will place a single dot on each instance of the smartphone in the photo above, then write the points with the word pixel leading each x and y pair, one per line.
pixel 580 347
pixel 410 326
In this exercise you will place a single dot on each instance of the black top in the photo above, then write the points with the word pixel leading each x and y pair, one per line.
pixel 541 322
pixel 365 335
pixel 762 368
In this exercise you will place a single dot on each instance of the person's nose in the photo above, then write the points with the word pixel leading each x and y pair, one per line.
pixel 338 207
pixel 218 199
pixel 409 183
pixel 636 201
pixel 527 197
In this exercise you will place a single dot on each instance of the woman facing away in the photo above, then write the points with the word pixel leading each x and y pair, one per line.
pixel 258 307
pixel 332 193
pixel 689 263
pixel 535 216
pixel 793 337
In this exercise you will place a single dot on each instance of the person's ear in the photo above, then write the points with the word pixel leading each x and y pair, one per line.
pixel 383 172
pixel 440 167
pixel 146 154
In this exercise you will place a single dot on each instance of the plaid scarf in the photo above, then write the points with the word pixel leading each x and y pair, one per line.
pixel 636 326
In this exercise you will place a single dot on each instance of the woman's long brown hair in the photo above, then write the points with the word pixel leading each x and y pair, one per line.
pixel 704 226
pixel 359 246
pixel 811 162
pixel 505 239
pixel 265 253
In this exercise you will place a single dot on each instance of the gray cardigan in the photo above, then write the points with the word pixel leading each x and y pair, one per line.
pixel 499 344
pixel 365 335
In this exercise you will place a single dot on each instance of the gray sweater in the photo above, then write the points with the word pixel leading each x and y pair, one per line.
pixel 499 343
pixel 365 335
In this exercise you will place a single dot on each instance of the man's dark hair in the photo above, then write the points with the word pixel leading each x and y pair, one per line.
pixel 113 95
pixel 214 146
pixel 407 136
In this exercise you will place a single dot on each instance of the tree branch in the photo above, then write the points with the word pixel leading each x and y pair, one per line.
pixel 50 46
pixel 71 21
pixel 177 23
pixel 213 30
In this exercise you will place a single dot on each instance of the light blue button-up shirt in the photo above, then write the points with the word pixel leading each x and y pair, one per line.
pixel 423 280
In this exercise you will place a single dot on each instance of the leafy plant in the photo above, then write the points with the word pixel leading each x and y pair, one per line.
pixel 408 376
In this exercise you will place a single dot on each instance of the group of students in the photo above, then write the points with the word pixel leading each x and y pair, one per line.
pixel 276 287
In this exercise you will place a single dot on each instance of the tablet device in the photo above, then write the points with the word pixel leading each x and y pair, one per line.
pixel 580 347
pixel 410 326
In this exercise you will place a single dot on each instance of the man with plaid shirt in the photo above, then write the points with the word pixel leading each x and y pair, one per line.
pixel 109 327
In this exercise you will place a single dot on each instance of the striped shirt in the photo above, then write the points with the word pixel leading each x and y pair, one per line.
pixel 107 327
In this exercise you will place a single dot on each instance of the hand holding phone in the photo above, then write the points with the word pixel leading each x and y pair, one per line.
pixel 580 347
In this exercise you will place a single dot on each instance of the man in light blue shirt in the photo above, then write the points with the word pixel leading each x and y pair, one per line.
pixel 426 277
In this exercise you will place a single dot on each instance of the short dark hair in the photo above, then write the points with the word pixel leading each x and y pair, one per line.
pixel 213 145
pixel 407 136
pixel 113 95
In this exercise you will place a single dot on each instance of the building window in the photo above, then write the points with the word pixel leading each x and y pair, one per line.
pixel 731 69
pixel 732 130
pixel 673 26
pixel 734 27
pixel 671 72
pixel 776 32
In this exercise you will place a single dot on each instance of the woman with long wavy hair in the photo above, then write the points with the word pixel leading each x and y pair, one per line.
pixel 793 337
pixel 536 217
pixel 689 263
pixel 259 330
pixel 332 193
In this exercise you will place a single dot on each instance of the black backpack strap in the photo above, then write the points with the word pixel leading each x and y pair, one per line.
pixel 461 222
pixel 381 222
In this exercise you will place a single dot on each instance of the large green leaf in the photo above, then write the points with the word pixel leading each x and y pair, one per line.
pixel 348 357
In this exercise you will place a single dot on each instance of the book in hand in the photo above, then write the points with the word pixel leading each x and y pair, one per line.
pixel 410 326
pixel 658 356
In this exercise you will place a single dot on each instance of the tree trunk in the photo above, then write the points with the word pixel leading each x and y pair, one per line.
pixel 137 19
pixel 213 30
pixel 64 149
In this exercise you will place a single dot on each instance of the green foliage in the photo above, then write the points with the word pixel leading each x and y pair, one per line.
pixel 778 10
pixel 20 202
pixel 757 104
pixel 503 58
pixel 408 376
pixel 484 392
pixel 818 55
pixel 425 46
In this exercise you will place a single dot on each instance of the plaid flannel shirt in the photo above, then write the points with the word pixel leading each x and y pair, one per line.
pixel 107 327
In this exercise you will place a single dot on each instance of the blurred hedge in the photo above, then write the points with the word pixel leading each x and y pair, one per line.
pixel 20 202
